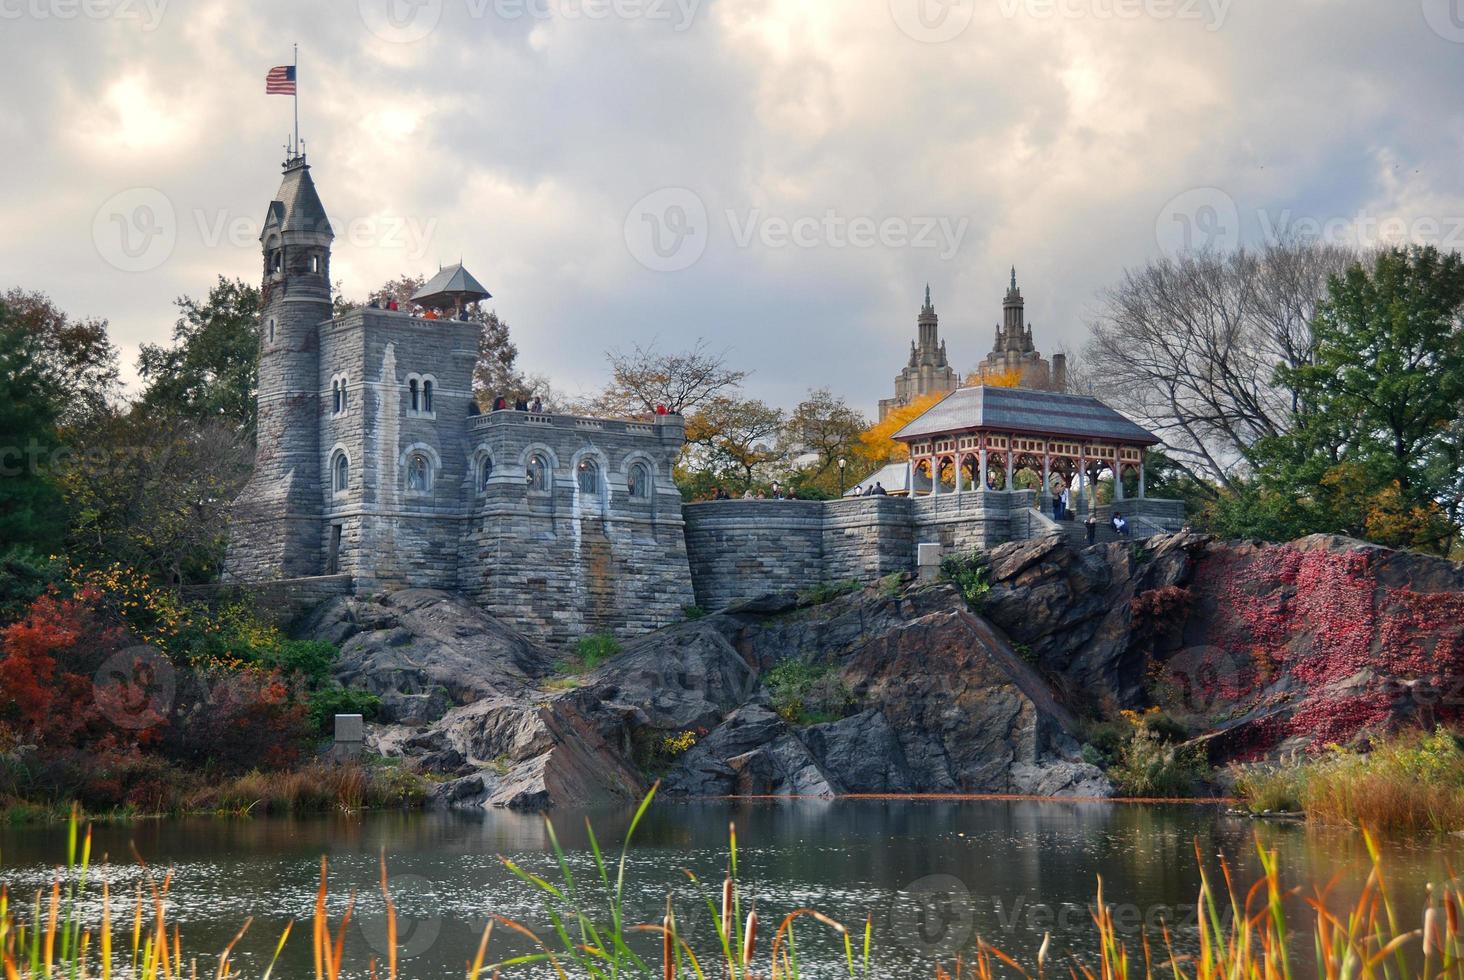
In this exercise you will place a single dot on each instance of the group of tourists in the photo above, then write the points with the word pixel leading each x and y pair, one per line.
pixel 501 404
pixel 464 312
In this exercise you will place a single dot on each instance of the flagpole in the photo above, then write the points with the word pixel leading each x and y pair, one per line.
pixel 297 100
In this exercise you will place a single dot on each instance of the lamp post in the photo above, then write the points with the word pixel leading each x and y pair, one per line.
pixel 842 463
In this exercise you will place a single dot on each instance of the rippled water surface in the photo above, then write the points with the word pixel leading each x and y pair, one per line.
pixel 933 874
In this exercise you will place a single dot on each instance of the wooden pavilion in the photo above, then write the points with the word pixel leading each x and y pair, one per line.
pixel 982 437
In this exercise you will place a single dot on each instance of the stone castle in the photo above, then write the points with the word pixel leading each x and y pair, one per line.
pixel 376 470
pixel 1013 359
pixel 373 462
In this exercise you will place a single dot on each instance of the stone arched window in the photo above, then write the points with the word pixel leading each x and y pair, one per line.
pixel 638 481
pixel 315 264
pixel 538 473
pixel 414 402
pixel 340 473
pixel 427 396
pixel 485 472
pixel 419 472
pixel 588 476
pixel 271 329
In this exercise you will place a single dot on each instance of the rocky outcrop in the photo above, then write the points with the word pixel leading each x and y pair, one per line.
pixel 1251 648
pixel 422 651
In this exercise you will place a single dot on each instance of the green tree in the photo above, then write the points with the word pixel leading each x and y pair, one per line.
pixel 1375 441
pixel 77 357
pixel 211 372
pixel 31 510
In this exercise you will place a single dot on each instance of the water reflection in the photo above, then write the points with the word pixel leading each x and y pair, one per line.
pixel 933 875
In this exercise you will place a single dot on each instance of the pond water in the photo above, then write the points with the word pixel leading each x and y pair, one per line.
pixel 933 874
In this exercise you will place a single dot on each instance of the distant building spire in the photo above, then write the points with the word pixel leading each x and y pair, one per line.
pixel 1014 279
pixel 929 306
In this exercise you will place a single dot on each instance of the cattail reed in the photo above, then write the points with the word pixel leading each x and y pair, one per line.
pixel 749 938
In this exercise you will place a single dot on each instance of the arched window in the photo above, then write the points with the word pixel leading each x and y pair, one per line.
pixel 315 264
pixel 419 473
pixel 588 476
pixel 416 395
pixel 538 478
pixel 271 329
pixel 345 395
pixel 341 474
pixel 337 404
pixel 427 396
pixel 485 472
pixel 639 480
pixel 277 260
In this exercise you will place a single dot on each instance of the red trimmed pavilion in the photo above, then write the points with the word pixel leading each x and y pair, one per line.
pixel 983 436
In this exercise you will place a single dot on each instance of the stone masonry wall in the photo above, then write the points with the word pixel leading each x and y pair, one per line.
pixel 741 549
pixel 563 561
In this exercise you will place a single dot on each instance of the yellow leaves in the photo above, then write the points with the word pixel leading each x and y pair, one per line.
pixel 878 441
pixel 1010 378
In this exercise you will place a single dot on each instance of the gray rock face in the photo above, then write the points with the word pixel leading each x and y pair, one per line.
pixel 422 652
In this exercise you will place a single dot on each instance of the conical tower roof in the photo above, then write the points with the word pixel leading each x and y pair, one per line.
pixel 297 207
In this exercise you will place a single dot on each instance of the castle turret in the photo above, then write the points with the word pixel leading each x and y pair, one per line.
pixel 283 498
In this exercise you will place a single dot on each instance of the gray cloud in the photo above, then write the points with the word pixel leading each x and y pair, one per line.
pixel 1055 134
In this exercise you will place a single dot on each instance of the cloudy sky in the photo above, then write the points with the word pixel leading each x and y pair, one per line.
pixel 780 177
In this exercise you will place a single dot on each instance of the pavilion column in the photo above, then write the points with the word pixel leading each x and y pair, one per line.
pixel 935 476
pixel 910 475
pixel 1082 484
pixel 983 484
pixel 1118 482
pixel 1142 453
pixel 1010 470
pixel 959 466
pixel 1045 499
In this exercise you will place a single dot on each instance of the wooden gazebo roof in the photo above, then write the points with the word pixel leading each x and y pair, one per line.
pixel 1026 411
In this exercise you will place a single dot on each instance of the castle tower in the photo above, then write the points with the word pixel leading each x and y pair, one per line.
pixel 281 506
pixel 928 370
pixel 1015 354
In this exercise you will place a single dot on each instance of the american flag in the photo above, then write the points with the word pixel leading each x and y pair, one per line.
pixel 280 81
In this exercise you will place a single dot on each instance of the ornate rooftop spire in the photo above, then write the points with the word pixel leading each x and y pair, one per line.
pixel 1014 279
pixel 929 307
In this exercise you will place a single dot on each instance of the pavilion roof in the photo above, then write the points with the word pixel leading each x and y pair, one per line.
pixel 450 285
pixel 1026 410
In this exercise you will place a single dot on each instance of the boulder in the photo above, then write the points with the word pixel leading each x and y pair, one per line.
pixel 861 753
pixel 423 651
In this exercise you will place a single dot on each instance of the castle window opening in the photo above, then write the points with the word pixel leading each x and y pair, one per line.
pixel 419 473
pixel 416 395
pixel 538 478
pixel 335 395
pixel 639 481
pixel 589 476
pixel 341 473
pixel 427 396
pixel 485 472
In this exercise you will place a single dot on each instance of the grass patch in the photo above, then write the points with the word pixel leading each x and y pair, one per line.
pixel 693 613
pixel 1410 783
pixel 892 586
pixel 1151 764
pixel 590 652
pixel 970 575
pixel 808 694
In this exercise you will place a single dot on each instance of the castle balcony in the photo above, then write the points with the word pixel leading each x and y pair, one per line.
pixel 576 423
